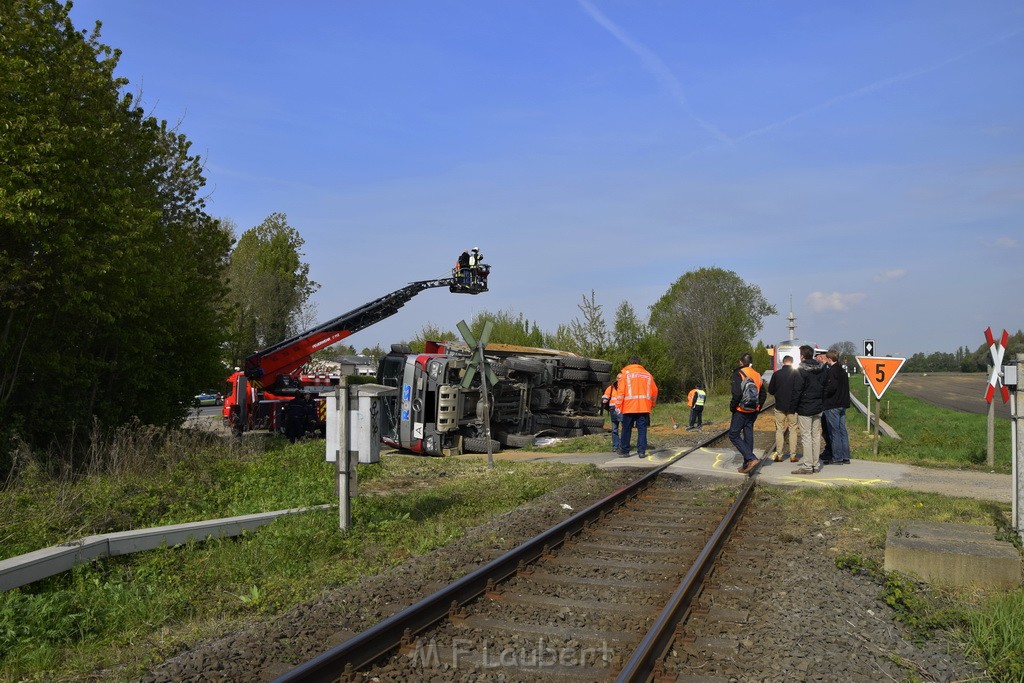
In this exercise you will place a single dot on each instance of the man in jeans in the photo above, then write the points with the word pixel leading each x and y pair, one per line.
pixel 741 426
pixel 639 394
pixel 835 402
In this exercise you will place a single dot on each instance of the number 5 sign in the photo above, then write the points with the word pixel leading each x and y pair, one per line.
pixel 879 372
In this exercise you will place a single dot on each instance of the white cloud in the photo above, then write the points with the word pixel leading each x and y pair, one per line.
pixel 836 301
pixel 890 275
pixel 1006 243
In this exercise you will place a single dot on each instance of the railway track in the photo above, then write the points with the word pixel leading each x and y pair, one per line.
pixel 599 596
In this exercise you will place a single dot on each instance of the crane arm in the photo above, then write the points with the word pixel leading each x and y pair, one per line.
pixel 274 367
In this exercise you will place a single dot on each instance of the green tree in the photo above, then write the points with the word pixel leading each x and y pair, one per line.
pixel 708 318
pixel 269 287
pixel 631 337
pixel 110 268
pixel 509 328
pixel 588 337
pixel 432 332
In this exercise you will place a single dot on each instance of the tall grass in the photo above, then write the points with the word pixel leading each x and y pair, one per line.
pixel 131 611
pixel 997 635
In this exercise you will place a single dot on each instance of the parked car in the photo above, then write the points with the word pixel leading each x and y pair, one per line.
pixel 209 398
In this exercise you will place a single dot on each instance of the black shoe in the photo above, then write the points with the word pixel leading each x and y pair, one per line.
pixel 826 461
pixel 623 454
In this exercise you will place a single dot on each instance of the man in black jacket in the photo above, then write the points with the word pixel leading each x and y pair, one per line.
pixel 782 387
pixel 741 426
pixel 835 401
pixel 809 389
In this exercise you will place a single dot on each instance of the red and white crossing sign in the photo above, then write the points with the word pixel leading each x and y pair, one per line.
pixel 879 372
pixel 997 349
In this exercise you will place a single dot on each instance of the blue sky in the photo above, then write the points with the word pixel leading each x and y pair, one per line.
pixel 864 159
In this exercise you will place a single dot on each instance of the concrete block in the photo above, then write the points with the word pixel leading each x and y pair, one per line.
pixel 952 554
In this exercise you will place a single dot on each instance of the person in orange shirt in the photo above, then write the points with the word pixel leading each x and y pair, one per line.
pixel 612 400
pixel 639 394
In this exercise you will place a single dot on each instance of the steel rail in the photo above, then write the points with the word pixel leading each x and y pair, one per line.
pixel 640 667
pixel 362 649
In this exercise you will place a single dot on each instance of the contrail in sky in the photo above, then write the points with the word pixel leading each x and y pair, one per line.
pixel 872 87
pixel 656 66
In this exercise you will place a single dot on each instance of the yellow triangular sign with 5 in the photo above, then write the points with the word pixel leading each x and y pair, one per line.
pixel 880 371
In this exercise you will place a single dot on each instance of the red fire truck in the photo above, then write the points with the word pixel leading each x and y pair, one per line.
pixel 256 394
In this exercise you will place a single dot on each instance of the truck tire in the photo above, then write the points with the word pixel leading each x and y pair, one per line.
pixel 598 365
pixel 528 365
pixel 576 375
pixel 565 421
pixel 575 362
pixel 479 445
pixel 568 432
pixel 602 377
pixel 592 421
pixel 516 440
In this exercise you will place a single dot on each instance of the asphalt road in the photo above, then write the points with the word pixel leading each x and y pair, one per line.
pixel 954 390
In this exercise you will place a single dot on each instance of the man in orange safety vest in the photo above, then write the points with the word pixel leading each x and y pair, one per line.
pixel 639 394
pixel 612 400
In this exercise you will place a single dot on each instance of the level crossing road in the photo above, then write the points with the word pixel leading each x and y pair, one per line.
pixel 954 390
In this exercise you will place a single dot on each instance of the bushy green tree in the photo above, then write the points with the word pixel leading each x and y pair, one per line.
pixel 269 287
pixel 509 328
pixel 631 337
pixel 110 268
pixel 708 318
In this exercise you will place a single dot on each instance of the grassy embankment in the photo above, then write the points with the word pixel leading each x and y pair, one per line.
pixel 126 613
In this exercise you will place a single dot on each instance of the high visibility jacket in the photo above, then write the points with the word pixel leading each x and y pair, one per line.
pixel 614 397
pixel 639 392
pixel 754 375
pixel 696 397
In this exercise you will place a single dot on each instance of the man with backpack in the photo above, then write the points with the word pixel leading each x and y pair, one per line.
pixel 748 394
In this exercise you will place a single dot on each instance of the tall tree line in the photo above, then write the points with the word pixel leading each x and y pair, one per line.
pixel 111 271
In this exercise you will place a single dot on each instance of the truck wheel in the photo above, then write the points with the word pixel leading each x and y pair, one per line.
pixel 479 445
pixel 517 440
pixel 528 365
pixel 598 365
pixel 574 362
pixel 576 375
pixel 601 377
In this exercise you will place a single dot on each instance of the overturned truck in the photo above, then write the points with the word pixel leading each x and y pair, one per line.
pixel 539 391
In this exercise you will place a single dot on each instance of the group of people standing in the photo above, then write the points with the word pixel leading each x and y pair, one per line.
pixel 811 400
pixel 629 400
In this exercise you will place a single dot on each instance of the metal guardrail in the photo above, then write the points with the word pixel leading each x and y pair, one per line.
pixel 40 564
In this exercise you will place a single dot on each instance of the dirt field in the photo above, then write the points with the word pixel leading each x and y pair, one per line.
pixel 953 390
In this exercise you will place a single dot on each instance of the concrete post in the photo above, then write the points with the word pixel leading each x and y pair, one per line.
pixel 342 460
